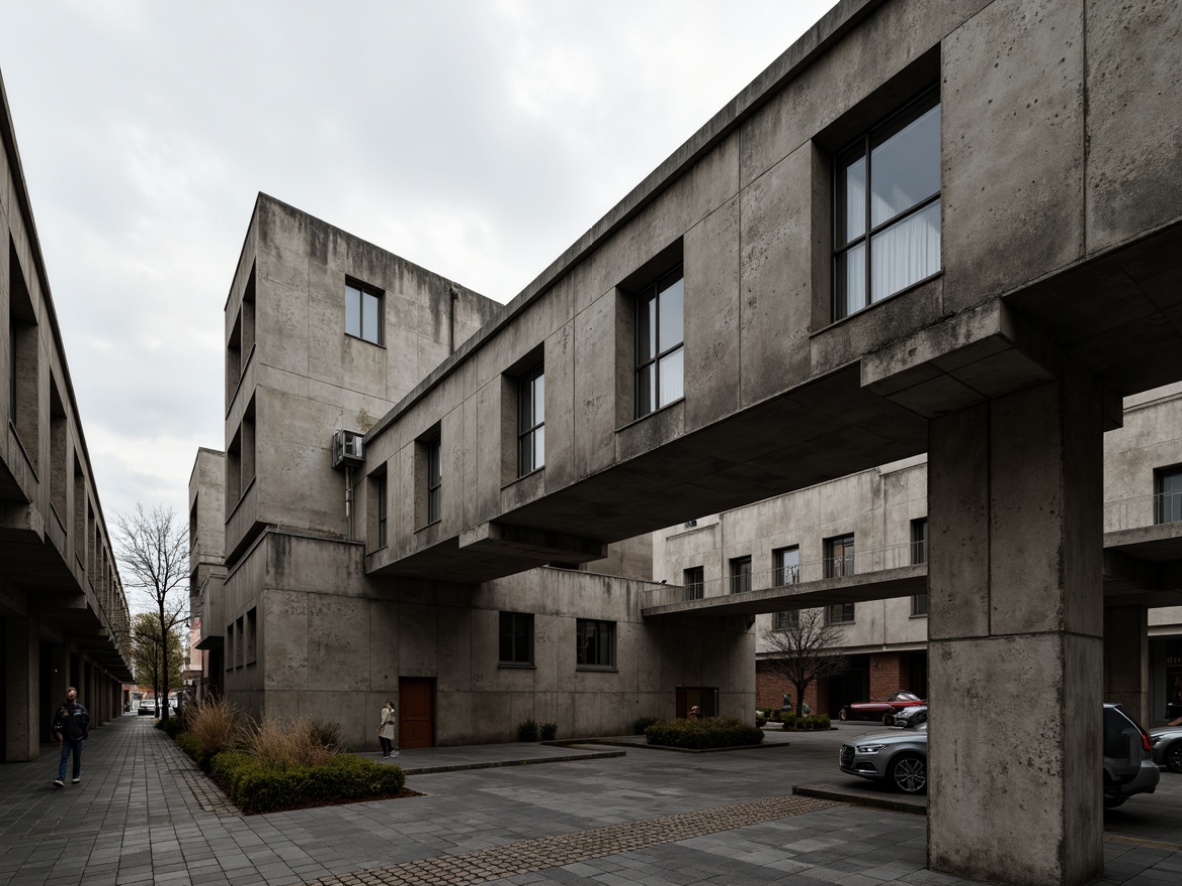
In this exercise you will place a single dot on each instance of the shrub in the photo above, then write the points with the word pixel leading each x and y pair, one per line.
pixel 172 727
pixel 760 722
pixel 643 723
pixel 189 744
pixel 527 731
pixel 789 720
pixel 277 744
pixel 548 731
pixel 326 734
pixel 256 787
pixel 714 732
pixel 215 725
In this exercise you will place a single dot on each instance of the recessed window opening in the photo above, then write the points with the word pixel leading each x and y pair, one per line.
pixel 1168 495
pixel 887 208
pixel 694 582
pixel 660 340
pixel 740 575
pixel 516 638
pixel 596 643
pixel 919 541
pixel 434 450
pixel 786 566
pixel 363 312
pixel 531 421
pixel 839 556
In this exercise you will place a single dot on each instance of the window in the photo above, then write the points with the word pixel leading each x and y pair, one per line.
pixel 517 638
pixel 1168 498
pixel 24 355
pixel 363 312
pixel 887 208
pixel 839 556
pixel 239 643
pixel 230 647
pixel 434 480
pixel 919 605
pixel 531 428
pixel 694 581
pixel 840 613
pixel 786 566
pixel 660 339
pixel 788 620
pixel 596 643
pixel 379 494
pixel 252 630
pixel 740 575
pixel 919 541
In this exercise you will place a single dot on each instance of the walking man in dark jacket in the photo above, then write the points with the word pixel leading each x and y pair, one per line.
pixel 71 724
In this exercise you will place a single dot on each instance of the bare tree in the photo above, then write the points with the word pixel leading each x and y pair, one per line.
pixel 804 647
pixel 147 654
pixel 154 556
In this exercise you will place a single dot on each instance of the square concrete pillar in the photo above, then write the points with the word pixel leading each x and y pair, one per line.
pixel 22 655
pixel 1015 638
pixel 1126 659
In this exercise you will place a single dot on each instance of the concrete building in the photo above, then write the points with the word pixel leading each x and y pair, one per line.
pixel 878 519
pixel 63 614
pixel 929 227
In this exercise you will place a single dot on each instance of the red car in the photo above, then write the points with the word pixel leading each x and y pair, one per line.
pixel 876 710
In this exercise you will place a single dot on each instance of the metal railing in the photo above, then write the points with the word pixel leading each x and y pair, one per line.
pixel 858 563
pixel 1142 510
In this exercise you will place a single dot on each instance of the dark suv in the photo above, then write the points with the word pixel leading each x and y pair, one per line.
pixel 900 757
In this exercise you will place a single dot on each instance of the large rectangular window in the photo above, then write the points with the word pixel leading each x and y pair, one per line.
pixel 517 638
pixel 887 208
pixel 660 340
pixel 1168 495
pixel 531 421
pixel 839 556
pixel 740 575
pixel 840 613
pixel 786 566
pixel 694 581
pixel 363 312
pixel 596 643
pixel 434 451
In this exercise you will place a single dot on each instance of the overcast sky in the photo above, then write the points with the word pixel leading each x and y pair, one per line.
pixel 478 139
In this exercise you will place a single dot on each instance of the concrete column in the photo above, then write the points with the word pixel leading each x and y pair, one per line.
pixel 1015 638
pixel 23 729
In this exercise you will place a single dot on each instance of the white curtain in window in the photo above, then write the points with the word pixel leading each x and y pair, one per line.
pixel 905 252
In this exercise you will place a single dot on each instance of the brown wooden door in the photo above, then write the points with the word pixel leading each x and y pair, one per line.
pixel 416 715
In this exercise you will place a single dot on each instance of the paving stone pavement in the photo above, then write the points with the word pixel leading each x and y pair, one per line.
pixel 143 814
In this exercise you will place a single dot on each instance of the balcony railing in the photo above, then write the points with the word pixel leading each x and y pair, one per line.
pixel 864 561
pixel 1142 510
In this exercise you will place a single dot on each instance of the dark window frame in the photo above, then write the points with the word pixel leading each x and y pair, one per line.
pixel 1167 500
pixel 919 605
pixel 840 549
pixel 651 294
pixel 694 582
pixel 840 613
pixel 862 147
pixel 433 451
pixel 786 620
pixel 595 639
pixel 531 421
pixel 514 622
pixel 741 573
pixel 361 329
pixel 784 574
pixel 382 508
pixel 919 541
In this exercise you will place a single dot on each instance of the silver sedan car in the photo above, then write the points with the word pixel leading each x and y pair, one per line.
pixel 1167 746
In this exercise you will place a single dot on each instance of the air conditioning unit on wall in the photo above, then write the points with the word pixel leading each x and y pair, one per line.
pixel 348 449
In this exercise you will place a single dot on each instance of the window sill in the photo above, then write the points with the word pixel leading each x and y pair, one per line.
pixel 922 615
pixel 679 401
pixel 517 666
pixel 882 301
pixel 601 669
pixel 376 344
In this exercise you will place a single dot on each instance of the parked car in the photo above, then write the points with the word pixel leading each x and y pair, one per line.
pixel 907 717
pixel 901 758
pixel 147 707
pixel 1167 746
pixel 878 710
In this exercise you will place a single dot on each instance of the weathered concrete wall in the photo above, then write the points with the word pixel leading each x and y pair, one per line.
pixel 333 643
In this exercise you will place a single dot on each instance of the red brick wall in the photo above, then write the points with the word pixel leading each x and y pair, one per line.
pixel 888 673
pixel 770 689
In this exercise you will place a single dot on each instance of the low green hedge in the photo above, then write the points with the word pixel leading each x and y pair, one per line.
pixel 172 727
pixel 255 787
pixel 809 721
pixel 714 732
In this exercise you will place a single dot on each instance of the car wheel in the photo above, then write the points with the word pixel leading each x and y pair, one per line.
pixel 888 719
pixel 1173 757
pixel 909 774
pixel 921 717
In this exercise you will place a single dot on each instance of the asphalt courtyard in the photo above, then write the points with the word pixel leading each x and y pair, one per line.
pixel 144 814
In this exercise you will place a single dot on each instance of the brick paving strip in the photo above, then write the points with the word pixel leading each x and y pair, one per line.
pixel 530 856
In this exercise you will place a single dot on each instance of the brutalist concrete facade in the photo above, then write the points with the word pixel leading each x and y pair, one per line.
pixel 293 624
pixel 63 614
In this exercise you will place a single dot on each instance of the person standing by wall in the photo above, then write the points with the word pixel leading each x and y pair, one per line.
pixel 71 725
pixel 388 729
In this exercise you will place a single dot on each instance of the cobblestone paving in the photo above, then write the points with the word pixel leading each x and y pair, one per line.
pixel 530 856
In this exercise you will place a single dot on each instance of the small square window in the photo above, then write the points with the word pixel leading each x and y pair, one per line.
pixel 840 613
pixel 787 620
pixel 516 638
pixel 740 575
pixel 887 208
pixel 919 605
pixel 694 582
pixel 660 343
pixel 363 312
pixel 596 643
